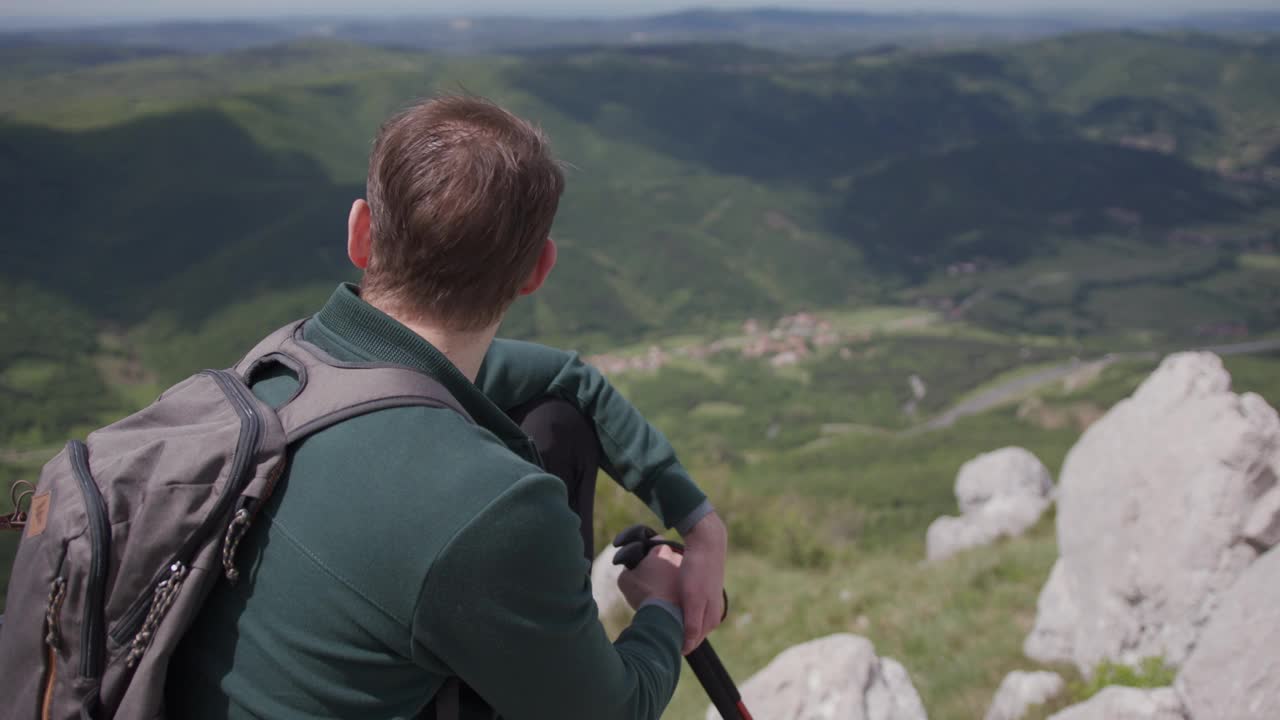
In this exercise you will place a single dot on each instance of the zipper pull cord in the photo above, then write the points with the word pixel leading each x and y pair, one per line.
pixel 241 521
pixel 236 529
pixel 166 592
pixel 53 633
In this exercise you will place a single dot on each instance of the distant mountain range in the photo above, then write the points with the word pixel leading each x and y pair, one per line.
pixel 776 28
pixel 164 209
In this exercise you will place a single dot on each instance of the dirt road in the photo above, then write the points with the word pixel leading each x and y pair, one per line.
pixel 1017 387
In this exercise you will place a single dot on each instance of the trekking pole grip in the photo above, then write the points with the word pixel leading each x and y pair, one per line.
pixel 709 670
pixel 634 545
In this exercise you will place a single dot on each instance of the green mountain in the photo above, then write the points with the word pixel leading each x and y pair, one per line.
pixel 957 225
pixel 809 31
pixel 186 203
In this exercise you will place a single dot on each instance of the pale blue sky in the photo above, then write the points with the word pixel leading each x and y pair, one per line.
pixel 136 9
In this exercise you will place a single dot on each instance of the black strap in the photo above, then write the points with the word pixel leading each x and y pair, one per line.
pixel 448 703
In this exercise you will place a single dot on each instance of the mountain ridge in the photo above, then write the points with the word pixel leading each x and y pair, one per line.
pixel 189 201
pixel 825 30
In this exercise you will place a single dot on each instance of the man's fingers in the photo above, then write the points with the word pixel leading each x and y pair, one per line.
pixel 714 615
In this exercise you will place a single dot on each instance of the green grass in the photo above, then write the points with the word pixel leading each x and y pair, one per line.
pixel 1258 261
pixel 1152 672
pixel 830 539
pixel 957 626
pixel 28 373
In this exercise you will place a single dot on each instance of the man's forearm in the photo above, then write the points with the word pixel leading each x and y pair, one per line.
pixel 635 454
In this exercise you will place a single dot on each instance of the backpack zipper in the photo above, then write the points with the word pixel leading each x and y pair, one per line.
pixel 92 633
pixel 246 447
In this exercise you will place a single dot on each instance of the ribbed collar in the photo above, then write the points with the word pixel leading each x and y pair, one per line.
pixel 370 334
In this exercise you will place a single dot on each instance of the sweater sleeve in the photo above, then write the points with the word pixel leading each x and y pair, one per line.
pixel 507 606
pixel 636 454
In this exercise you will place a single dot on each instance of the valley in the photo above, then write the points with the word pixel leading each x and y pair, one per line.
pixel 830 278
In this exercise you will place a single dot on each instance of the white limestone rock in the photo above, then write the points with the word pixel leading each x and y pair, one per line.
pixel 1126 703
pixel 1001 494
pixel 1053 637
pixel 838 677
pixel 1020 690
pixel 604 585
pixel 1162 504
pixel 1234 671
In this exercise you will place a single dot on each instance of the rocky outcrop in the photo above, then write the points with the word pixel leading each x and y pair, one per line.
pixel 1234 671
pixel 1001 493
pixel 1126 703
pixel 1020 690
pixel 604 585
pixel 838 677
pixel 1054 636
pixel 1162 505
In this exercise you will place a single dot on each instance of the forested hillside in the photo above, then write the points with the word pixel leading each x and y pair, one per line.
pixel 831 277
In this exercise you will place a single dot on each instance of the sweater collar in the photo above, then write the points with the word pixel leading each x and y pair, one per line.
pixel 372 335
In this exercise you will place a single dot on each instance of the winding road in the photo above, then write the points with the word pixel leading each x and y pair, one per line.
pixel 1015 387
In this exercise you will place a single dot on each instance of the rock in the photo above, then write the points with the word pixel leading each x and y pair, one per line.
pixel 1053 636
pixel 1234 671
pixel 1263 526
pixel 838 677
pixel 1162 504
pixel 1020 690
pixel 918 388
pixel 604 585
pixel 1126 703
pixel 1001 493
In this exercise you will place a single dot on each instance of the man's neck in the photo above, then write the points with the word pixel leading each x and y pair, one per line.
pixel 466 350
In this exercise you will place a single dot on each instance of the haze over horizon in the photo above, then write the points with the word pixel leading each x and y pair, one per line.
pixel 20 14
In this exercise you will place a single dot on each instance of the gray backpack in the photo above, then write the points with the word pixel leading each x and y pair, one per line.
pixel 127 533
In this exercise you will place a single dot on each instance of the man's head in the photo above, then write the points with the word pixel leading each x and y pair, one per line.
pixel 460 199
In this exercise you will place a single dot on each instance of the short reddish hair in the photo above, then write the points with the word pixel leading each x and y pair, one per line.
pixel 462 195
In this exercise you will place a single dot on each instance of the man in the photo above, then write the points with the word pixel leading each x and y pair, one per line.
pixel 409 546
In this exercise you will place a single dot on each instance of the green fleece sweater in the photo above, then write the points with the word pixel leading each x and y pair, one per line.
pixel 409 545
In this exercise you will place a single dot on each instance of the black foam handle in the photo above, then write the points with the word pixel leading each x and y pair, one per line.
pixel 630 555
pixel 634 545
pixel 635 533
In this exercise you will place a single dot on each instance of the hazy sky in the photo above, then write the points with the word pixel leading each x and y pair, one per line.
pixel 105 9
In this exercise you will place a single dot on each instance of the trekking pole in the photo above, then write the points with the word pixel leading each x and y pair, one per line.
pixel 633 545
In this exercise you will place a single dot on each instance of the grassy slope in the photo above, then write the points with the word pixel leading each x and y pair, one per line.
pixel 1211 94
pixel 815 554
pixel 629 208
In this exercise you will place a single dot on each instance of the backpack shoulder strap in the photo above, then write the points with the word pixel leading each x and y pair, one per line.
pixel 330 390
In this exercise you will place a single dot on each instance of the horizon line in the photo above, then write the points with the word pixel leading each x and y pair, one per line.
pixel 74 21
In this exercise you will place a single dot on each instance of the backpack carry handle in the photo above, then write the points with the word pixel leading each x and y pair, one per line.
pixel 20 491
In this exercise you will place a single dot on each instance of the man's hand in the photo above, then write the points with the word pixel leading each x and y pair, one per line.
pixel 656 577
pixel 702 580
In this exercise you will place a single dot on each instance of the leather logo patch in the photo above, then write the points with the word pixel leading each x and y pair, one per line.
pixel 38 516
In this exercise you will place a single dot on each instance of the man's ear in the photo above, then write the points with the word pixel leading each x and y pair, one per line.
pixel 546 261
pixel 359 241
